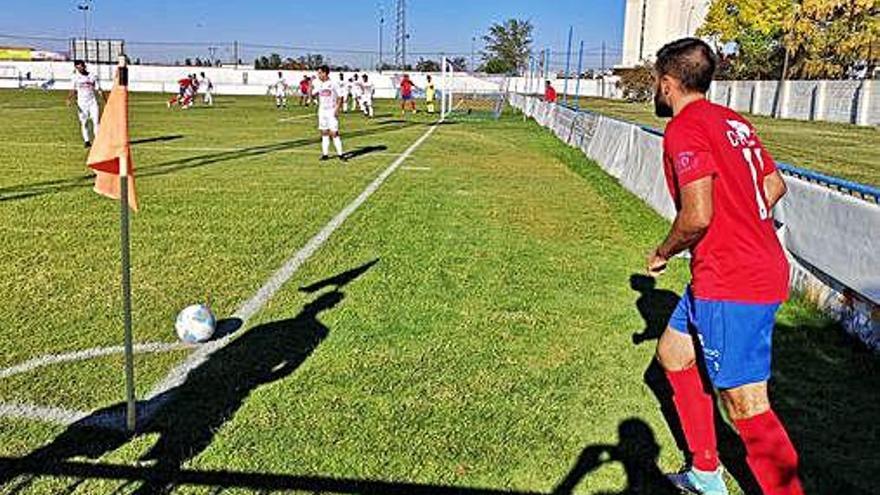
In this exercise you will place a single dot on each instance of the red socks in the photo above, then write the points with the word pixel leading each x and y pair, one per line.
pixel 770 454
pixel 696 413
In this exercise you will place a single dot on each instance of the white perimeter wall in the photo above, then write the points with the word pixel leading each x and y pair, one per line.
pixel 227 80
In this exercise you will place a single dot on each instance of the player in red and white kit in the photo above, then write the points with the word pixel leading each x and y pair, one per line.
pixel 85 88
pixel 327 93
pixel 183 86
pixel 724 184
pixel 406 95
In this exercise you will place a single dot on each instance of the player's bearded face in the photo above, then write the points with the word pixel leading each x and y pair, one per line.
pixel 662 108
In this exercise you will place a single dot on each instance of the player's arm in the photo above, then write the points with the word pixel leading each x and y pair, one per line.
pixel 774 188
pixel 70 95
pixel 690 225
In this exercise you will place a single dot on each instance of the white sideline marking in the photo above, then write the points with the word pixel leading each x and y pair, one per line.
pixel 415 168
pixel 297 117
pixel 178 375
pixel 157 396
pixel 48 359
pixel 41 413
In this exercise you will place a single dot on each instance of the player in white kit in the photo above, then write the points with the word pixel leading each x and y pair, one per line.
pixel 343 87
pixel 280 89
pixel 367 97
pixel 204 82
pixel 85 87
pixel 356 92
pixel 327 93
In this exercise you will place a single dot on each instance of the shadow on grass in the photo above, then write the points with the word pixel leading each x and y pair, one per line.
pixel 363 150
pixel 188 416
pixel 156 139
pixel 24 191
pixel 825 387
pixel 637 451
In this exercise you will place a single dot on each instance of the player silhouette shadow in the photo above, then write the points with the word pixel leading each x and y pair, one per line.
pixel 363 150
pixel 656 307
pixel 637 450
pixel 188 416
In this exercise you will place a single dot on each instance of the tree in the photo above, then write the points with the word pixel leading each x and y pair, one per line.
pixel 312 61
pixel 497 66
pixel 459 64
pixel 188 62
pixel 427 65
pixel 507 46
pixel 753 29
pixel 823 38
pixel 637 84
pixel 828 38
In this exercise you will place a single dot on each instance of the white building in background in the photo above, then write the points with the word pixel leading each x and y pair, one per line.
pixel 650 24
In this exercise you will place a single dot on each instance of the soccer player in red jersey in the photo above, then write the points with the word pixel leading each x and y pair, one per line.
pixel 406 95
pixel 724 184
pixel 549 93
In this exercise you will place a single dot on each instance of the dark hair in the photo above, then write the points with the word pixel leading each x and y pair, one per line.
pixel 78 62
pixel 325 69
pixel 690 60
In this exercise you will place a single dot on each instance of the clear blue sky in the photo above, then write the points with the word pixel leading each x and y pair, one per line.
pixel 434 25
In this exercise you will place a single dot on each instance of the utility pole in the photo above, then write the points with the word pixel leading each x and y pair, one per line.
pixel 400 35
pixel 381 32
pixel 473 42
pixel 85 6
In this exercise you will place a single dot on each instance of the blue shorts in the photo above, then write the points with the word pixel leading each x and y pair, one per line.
pixel 736 337
pixel 406 97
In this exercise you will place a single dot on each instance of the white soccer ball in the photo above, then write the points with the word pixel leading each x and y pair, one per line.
pixel 195 324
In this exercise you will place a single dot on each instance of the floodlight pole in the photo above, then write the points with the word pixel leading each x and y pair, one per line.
pixel 577 86
pixel 381 33
pixel 130 409
pixel 567 66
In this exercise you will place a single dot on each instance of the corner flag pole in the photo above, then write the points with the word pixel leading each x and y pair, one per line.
pixel 131 414
pixel 567 65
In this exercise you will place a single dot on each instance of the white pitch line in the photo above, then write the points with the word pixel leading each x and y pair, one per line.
pixel 48 359
pixel 158 396
pixel 415 168
pixel 297 117
pixel 58 415
pixel 178 375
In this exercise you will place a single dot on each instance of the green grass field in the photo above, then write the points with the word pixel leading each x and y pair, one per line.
pixel 842 150
pixel 478 326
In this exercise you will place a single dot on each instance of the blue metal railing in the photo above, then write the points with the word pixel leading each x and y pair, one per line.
pixel 857 189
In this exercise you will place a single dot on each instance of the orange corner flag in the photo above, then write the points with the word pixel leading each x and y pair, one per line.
pixel 111 149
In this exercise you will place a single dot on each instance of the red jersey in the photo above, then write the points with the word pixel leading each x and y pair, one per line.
pixel 740 258
pixel 184 83
pixel 550 95
pixel 304 86
pixel 406 87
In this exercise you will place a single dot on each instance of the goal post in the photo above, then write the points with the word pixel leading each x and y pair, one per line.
pixel 471 96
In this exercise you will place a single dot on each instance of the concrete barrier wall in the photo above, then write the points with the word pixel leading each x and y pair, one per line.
pixel 835 266
pixel 852 102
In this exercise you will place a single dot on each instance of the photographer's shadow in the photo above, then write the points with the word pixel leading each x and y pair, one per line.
pixel 637 450
pixel 188 416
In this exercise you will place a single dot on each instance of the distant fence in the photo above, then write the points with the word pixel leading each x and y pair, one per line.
pixel 226 80
pixel 829 233
pixel 852 102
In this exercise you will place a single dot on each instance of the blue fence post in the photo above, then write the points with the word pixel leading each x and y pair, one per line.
pixel 547 65
pixel 577 86
pixel 567 66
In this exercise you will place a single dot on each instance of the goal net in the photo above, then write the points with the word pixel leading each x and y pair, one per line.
pixel 469 96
